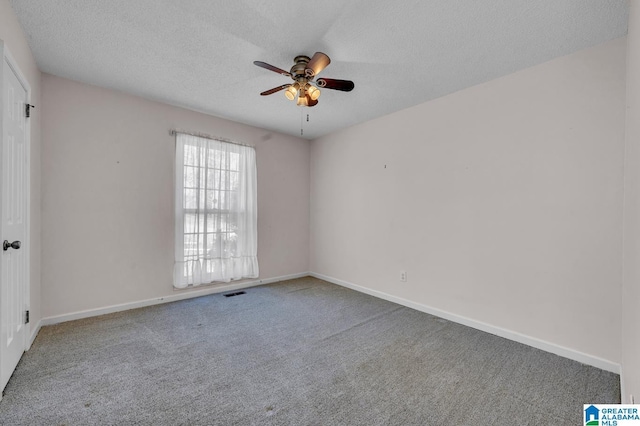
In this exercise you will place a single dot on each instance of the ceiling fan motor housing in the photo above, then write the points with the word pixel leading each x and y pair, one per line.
pixel 298 69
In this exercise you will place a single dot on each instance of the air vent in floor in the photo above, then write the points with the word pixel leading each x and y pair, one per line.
pixel 237 293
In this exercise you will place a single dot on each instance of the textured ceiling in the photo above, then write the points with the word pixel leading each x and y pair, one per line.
pixel 199 53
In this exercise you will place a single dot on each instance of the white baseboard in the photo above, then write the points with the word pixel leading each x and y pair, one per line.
pixel 498 331
pixel 34 333
pixel 181 295
pixel 478 325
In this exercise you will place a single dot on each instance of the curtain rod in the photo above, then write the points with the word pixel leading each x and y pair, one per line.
pixel 174 132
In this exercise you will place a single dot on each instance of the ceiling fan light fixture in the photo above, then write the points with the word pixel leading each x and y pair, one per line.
pixel 291 92
pixel 303 100
pixel 313 92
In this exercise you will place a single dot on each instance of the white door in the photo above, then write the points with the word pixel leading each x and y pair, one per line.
pixel 13 227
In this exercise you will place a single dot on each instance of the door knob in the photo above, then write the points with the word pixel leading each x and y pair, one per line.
pixel 14 245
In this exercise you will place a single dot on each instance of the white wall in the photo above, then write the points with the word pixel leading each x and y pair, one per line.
pixel 502 202
pixel 14 39
pixel 107 175
pixel 631 286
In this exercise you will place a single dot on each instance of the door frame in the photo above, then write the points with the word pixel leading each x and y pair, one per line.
pixel 5 55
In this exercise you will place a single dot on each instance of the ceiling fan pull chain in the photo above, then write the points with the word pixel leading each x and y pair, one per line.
pixel 301 133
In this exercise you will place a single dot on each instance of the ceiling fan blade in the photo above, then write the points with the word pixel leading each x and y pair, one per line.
pixel 271 68
pixel 318 62
pixel 332 83
pixel 274 90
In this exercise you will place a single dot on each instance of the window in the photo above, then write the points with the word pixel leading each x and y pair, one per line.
pixel 216 211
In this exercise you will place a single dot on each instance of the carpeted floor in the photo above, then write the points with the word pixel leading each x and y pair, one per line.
pixel 300 352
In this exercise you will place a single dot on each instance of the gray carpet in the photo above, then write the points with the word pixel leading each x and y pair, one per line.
pixel 300 352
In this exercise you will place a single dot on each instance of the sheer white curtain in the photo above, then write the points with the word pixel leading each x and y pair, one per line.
pixel 216 211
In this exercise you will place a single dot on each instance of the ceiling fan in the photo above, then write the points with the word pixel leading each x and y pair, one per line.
pixel 303 73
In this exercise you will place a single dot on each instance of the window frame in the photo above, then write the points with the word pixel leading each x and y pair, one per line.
pixel 223 167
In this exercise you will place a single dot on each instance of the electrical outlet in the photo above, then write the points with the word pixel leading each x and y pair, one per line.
pixel 403 276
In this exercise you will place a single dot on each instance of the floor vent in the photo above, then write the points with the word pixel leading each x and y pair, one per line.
pixel 237 293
